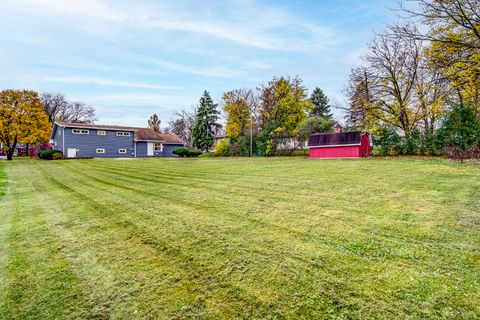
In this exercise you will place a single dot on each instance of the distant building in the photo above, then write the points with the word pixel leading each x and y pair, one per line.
pixel 78 140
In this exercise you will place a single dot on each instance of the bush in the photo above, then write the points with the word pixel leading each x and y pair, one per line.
pixel 187 152
pixel 388 142
pixel 49 154
pixel 57 156
pixel 222 149
pixel 206 155
pixel 300 153
pixel 459 135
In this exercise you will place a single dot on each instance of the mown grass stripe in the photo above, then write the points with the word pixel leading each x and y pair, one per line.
pixel 151 238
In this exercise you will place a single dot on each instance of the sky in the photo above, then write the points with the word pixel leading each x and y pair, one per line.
pixel 130 59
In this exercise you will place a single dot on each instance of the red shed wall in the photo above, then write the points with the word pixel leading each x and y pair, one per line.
pixel 335 152
pixel 365 146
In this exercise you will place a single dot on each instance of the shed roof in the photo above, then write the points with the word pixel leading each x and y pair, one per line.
pixel 335 139
pixel 140 134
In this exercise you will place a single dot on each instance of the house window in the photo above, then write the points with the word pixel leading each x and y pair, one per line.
pixel 122 150
pixel 123 134
pixel 100 150
pixel 101 132
pixel 158 146
pixel 80 131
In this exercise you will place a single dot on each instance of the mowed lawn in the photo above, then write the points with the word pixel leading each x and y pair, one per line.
pixel 239 238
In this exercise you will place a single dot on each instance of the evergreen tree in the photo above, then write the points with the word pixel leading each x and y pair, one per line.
pixel 321 106
pixel 206 123
pixel 154 122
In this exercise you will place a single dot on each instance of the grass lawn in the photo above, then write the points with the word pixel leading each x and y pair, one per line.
pixel 239 238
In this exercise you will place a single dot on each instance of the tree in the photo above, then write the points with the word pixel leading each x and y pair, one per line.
pixel 453 31
pixel 22 119
pixel 359 100
pixel 239 105
pixel 154 122
pixel 312 125
pixel 431 93
pixel 460 133
pixel 58 108
pixel 391 73
pixel 206 123
pixel 284 101
pixel 183 125
pixel 321 106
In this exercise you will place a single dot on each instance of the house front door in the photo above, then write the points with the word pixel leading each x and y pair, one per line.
pixel 150 149
pixel 71 152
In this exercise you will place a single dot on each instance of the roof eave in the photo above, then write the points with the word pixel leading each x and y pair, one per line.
pixel 336 145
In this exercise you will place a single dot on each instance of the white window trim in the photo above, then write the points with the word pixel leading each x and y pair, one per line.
pixel 101 133
pixel 100 150
pixel 80 131
pixel 123 134
pixel 122 150
pixel 155 149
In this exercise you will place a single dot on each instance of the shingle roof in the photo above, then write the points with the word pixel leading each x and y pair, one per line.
pixel 140 134
pixel 335 139
pixel 145 134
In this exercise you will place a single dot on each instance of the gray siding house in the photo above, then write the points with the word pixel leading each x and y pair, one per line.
pixel 79 140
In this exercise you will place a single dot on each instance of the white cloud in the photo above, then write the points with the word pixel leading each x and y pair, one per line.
pixel 109 82
pixel 219 72
pixel 250 24
pixel 138 98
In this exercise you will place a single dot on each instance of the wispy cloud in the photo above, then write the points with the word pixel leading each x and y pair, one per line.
pixel 252 25
pixel 128 53
pixel 111 83
pixel 219 72
pixel 138 98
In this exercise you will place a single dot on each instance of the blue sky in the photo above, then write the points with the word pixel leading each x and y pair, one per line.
pixel 130 59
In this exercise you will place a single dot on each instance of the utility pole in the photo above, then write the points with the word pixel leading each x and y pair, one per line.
pixel 251 136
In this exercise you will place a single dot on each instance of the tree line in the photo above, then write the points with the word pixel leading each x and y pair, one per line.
pixel 270 119
pixel 419 75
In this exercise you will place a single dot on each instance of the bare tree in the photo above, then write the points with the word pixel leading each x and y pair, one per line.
pixel 58 108
pixel 154 122
pixel 392 66
pixel 359 99
pixel 183 125
pixel 431 93
pixel 54 104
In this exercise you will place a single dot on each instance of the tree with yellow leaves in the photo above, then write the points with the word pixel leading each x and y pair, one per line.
pixel 22 120
pixel 239 105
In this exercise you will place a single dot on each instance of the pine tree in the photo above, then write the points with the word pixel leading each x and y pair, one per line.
pixel 206 123
pixel 321 106
pixel 154 122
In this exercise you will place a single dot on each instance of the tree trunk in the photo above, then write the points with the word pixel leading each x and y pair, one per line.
pixel 11 149
pixel 10 154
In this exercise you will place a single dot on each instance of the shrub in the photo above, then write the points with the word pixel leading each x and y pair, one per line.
pixel 206 155
pixel 57 156
pixel 222 149
pixel 459 135
pixel 49 154
pixel 300 153
pixel 187 152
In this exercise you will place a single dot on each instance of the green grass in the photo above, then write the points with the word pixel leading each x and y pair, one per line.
pixel 239 238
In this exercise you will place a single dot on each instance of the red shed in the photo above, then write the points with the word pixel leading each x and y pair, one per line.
pixel 350 144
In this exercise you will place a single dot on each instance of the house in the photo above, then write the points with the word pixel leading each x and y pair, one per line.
pixel 79 140
pixel 350 144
